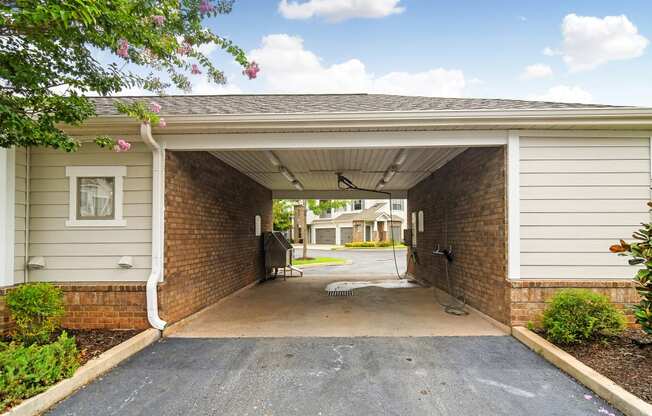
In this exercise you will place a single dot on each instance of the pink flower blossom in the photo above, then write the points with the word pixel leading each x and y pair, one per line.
pixel 185 48
pixel 588 397
pixel 158 20
pixel 161 122
pixel 251 70
pixel 195 70
pixel 123 48
pixel 205 7
pixel 122 145
pixel 155 107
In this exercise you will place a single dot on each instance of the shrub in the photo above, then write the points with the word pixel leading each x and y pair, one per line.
pixel 28 370
pixel 37 309
pixel 361 244
pixel 576 315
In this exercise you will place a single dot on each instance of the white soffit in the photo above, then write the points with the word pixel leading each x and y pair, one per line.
pixel 316 168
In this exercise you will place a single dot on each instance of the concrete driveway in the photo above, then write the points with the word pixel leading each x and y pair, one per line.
pixel 366 262
pixel 335 376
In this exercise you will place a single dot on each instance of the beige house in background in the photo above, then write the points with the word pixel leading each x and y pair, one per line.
pixel 529 194
pixel 361 220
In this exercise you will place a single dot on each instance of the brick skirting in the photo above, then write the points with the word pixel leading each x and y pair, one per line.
pixel 97 305
pixel 528 298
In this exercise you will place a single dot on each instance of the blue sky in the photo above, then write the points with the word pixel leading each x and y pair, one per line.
pixel 598 51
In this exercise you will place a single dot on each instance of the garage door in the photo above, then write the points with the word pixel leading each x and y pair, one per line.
pixel 398 235
pixel 325 235
pixel 346 234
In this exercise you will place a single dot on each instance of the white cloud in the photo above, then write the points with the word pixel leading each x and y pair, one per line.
pixel 592 41
pixel 536 71
pixel 566 94
pixel 339 10
pixel 548 51
pixel 287 67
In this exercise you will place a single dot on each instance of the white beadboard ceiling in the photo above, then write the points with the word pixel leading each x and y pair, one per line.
pixel 316 168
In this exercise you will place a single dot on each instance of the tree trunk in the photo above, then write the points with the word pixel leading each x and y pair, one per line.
pixel 304 227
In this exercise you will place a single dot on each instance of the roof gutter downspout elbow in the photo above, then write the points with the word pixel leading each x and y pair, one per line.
pixel 157 227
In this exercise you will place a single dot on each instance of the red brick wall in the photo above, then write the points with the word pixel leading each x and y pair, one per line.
pixel 210 246
pixel 96 305
pixel 529 297
pixel 464 207
pixel 105 305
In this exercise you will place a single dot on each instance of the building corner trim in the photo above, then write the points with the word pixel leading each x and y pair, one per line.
pixel 513 206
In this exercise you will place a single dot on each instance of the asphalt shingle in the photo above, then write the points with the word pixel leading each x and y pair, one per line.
pixel 322 103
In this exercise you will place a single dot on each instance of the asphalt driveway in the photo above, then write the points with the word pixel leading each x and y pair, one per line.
pixel 335 376
pixel 372 262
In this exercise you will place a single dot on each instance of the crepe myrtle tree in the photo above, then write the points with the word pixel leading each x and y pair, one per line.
pixel 640 253
pixel 48 51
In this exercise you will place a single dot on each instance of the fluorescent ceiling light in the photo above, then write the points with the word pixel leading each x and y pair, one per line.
pixel 400 157
pixel 288 175
pixel 389 174
pixel 273 158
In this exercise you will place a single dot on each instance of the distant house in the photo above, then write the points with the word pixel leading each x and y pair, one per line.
pixel 360 220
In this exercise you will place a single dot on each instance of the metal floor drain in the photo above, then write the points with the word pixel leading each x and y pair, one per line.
pixel 340 293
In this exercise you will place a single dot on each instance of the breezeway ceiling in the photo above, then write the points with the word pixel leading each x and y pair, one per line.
pixel 315 168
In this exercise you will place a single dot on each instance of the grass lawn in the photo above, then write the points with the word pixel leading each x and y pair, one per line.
pixel 317 260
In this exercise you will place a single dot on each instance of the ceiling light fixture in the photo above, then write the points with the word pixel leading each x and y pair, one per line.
pixel 283 170
pixel 273 158
pixel 400 158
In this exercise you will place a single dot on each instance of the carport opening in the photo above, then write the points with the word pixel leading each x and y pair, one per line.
pixel 453 201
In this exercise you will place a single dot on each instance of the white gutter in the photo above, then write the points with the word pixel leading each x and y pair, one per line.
pixel 601 117
pixel 158 185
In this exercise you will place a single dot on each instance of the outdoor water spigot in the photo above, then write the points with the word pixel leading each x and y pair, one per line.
pixel 447 252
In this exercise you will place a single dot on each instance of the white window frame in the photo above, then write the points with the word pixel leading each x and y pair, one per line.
pixel 116 172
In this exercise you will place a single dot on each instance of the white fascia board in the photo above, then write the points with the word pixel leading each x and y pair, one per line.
pixel 397 116
pixel 513 207
pixel 332 140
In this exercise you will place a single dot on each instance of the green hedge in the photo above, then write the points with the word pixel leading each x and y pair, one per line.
pixel 28 370
pixel 577 315
pixel 37 309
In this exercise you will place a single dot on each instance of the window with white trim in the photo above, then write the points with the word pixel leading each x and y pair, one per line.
pixel 96 196
pixel 357 205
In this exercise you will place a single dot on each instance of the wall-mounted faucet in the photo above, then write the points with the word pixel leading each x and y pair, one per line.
pixel 447 252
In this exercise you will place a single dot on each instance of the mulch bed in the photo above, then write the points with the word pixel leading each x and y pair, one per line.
pixel 92 343
pixel 625 359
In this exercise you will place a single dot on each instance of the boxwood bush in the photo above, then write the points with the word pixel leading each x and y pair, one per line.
pixel 37 309
pixel 26 370
pixel 577 315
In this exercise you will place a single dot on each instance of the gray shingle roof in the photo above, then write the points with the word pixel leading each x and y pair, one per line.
pixel 322 103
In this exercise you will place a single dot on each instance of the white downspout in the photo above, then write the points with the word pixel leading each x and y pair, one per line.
pixel 157 226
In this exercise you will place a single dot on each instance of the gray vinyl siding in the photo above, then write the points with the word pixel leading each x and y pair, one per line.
pixel 577 197
pixel 20 214
pixel 89 253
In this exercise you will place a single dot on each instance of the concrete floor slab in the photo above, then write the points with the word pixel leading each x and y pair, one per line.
pixel 300 307
pixel 443 376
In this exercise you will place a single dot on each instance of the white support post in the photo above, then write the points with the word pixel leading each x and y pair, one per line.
pixel 7 216
pixel 338 235
pixel 513 206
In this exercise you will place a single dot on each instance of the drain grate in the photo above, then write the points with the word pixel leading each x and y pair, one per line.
pixel 340 293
